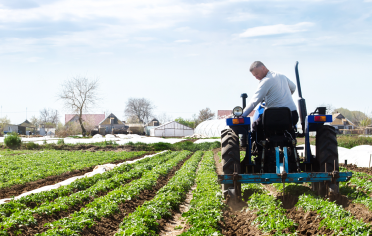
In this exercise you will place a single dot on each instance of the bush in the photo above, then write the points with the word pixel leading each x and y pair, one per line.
pixel 60 142
pixel 31 145
pixel 12 140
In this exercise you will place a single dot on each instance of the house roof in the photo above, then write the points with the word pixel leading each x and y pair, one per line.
pixel 106 120
pixel 223 114
pixel 27 123
pixel 339 119
pixel 94 118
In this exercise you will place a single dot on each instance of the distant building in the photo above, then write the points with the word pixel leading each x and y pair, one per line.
pixel 93 119
pixel 171 129
pixel 340 122
pixel 150 125
pixel 112 125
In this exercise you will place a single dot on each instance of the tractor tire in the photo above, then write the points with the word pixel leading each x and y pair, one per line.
pixel 326 155
pixel 230 154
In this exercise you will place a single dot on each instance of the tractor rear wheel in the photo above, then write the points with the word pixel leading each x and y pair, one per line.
pixel 326 157
pixel 230 154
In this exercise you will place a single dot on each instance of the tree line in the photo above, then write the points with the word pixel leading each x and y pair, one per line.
pixel 80 95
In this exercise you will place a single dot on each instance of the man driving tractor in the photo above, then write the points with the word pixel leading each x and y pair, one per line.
pixel 276 90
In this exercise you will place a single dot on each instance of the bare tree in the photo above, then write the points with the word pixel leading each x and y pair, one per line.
pixel 79 95
pixel 49 116
pixel 163 118
pixel 139 108
pixel 205 114
pixel 4 121
pixel 329 108
pixel 35 121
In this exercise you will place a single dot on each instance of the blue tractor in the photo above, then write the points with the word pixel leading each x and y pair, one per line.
pixel 277 160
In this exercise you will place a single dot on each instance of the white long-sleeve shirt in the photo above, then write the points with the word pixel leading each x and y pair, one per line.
pixel 277 91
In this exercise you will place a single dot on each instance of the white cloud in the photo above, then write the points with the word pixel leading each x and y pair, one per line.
pixel 182 41
pixel 241 17
pixel 275 29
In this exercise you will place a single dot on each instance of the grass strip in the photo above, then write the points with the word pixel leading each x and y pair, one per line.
pixel 143 221
pixel 109 204
pixel 270 214
pixel 9 208
pixel 21 169
pixel 206 205
pixel 26 216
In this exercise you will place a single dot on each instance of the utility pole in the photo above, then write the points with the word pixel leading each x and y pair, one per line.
pixel 26 113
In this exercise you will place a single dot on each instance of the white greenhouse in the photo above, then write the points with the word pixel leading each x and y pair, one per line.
pixel 211 128
pixel 171 129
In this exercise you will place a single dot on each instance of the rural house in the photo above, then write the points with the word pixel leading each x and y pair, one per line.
pixel 150 125
pixel 93 119
pixel 112 125
pixel 341 123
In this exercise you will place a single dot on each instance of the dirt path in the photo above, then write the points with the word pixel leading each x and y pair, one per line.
pixel 16 190
pixel 107 226
pixel 217 161
pixel 176 225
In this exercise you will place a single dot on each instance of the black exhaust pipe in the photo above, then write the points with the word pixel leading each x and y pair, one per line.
pixel 301 102
pixel 244 97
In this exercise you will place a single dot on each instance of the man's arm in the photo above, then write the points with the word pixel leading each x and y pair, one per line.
pixel 291 85
pixel 258 96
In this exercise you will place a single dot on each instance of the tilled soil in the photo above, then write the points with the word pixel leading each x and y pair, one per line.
pixel 16 190
pixel 358 169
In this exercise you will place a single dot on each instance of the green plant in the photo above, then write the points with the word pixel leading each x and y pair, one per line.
pixel 108 205
pixel 31 145
pixel 61 141
pixel 206 206
pixel 144 220
pixel 12 140
pixel 20 169
pixel 61 199
pixel 44 142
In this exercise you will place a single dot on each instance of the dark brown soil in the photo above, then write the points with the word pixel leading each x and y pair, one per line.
pixel 107 226
pixel 217 161
pixel 308 222
pixel 239 223
pixel 16 190
pixel 358 169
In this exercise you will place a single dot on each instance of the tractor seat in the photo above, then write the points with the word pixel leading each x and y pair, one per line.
pixel 277 120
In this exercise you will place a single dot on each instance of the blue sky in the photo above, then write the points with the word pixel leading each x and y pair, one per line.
pixel 182 55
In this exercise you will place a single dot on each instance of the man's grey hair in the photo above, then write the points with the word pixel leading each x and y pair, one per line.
pixel 255 65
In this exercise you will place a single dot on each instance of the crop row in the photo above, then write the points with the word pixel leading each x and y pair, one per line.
pixel 270 213
pixel 143 221
pixel 335 218
pixel 8 208
pixel 62 203
pixel 21 169
pixel 206 205
pixel 358 189
pixel 109 204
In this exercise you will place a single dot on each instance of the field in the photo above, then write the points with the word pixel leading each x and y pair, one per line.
pixel 171 193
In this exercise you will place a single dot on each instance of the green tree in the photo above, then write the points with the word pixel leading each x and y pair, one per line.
pixel 187 122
